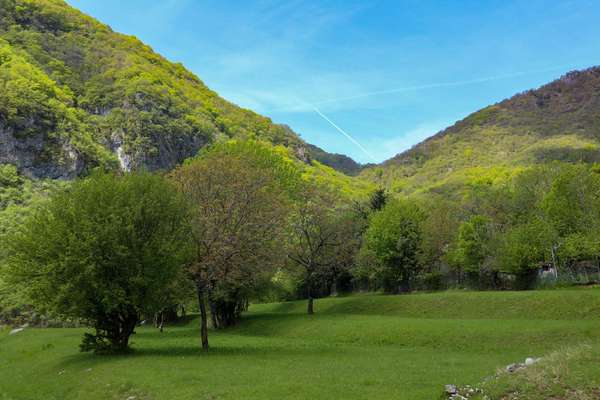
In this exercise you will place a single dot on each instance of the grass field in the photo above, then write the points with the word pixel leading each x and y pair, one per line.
pixel 358 347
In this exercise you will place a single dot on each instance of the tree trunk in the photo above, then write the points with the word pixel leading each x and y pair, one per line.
pixel 213 313
pixel 554 261
pixel 310 308
pixel 162 321
pixel 121 331
pixel 309 282
pixel 203 316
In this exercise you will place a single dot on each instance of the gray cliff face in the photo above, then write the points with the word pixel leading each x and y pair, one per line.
pixel 38 156
pixel 171 151
pixel 165 153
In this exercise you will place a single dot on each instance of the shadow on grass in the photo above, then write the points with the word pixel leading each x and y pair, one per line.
pixel 290 306
pixel 357 304
pixel 170 332
pixel 252 324
pixel 146 343
pixel 84 360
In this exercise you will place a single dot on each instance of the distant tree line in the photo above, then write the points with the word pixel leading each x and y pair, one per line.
pixel 241 222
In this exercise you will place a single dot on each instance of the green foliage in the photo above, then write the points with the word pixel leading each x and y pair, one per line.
pixel 471 249
pixel 524 249
pixel 339 162
pixel 572 203
pixel 32 105
pixel 580 246
pixel 348 187
pixel 432 281
pixel 266 158
pixel 378 199
pixel 240 194
pixel 321 240
pixel 65 74
pixel 394 241
pixel 11 186
pixel 441 223
pixel 104 250
pixel 556 122
pixel 510 224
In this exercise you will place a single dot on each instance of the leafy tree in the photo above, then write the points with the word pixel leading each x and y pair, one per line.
pixel 523 249
pixel 18 195
pixel 439 231
pixel 240 195
pixel 393 239
pixel 572 203
pixel 315 239
pixel 105 250
pixel 472 248
pixel 581 246
pixel 350 230
pixel 378 199
pixel 375 202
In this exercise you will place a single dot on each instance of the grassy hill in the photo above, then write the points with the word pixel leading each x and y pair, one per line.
pixel 559 121
pixel 364 346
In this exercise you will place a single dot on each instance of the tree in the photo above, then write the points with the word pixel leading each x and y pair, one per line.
pixel 375 202
pixel 350 229
pixel 523 249
pixel 439 231
pixel 378 200
pixel 106 250
pixel 314 238
pixel 239 194
pixel 393 241
pixel 471 248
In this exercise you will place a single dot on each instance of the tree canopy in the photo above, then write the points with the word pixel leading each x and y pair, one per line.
pixel 104 250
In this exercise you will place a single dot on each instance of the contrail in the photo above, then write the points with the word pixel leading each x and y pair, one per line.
pixel 423 87
pixel 350 138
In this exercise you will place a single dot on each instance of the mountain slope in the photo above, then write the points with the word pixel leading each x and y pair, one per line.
pixel 558 121
pixel 340 162
pixel 77 95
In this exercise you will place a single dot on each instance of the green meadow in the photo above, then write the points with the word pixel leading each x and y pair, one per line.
pixel 356 347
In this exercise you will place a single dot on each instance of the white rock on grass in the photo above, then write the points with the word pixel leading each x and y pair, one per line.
pixel 16 330
pixel 450 389
pixel 531 361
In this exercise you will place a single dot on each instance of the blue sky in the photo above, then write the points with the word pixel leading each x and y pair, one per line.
pixel 387 73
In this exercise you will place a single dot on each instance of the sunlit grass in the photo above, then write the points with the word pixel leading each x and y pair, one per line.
pixel 358 347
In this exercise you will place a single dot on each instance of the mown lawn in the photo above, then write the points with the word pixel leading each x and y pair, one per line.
pixel 358 347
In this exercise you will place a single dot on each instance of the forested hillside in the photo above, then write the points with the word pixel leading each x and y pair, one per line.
pixel 557 122
pixel 77 95
pixel 141 212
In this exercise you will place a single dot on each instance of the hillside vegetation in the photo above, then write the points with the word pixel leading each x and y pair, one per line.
pixel 557 122
pixel 77 95
pixel 132 194
pixel 366 346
